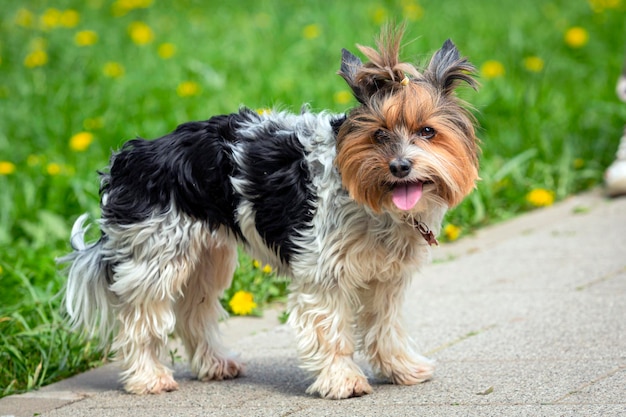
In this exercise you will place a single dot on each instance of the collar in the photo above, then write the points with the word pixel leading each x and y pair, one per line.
pixel 426 233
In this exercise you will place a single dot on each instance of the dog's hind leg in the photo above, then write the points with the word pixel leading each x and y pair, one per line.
pixel 151 263
pixel 199 310
pixel 144 328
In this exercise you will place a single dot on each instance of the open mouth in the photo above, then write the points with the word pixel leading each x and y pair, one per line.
pixel 405 195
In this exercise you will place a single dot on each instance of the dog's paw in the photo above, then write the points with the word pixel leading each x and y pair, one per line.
pixel 412 373
pixel 220 368
pixel 336 385
pixel 155 385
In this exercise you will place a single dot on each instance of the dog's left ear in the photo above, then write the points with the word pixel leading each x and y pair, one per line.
pixel 350 65
pixel 447 69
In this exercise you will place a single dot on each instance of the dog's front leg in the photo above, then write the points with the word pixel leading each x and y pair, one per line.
pixel 385 342
pixel 322 317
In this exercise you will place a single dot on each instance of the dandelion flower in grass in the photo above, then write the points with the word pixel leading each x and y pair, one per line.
pixel 81 141
pixel 256 264
pixel 53 169
pixel 85 38
pixel 342 97
pixel 379 15
pixel 492 69
pixel 7 168
pixel 140 33
pixel 267 269
pixel 166 50
pixel 24 18
pixel 37 58
pixel 578 163
pixel 264 111
pixel 51 18
pixel 533 64
pixel 69 18
pixel 452 232
pixel 113 69
pixel 540 197
pixel 600 6
pixel 188 89
pixel 242 303
pixel 311 31
pixel 122 7
pixel 576 37
pixel 412 11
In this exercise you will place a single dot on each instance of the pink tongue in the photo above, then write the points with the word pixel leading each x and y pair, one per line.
pixel 406 195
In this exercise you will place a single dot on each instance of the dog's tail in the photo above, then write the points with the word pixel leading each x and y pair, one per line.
pixel 88 300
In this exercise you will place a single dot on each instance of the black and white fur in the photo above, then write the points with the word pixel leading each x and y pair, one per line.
pixel 175 209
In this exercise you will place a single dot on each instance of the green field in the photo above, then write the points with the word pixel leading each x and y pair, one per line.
pixel 78 78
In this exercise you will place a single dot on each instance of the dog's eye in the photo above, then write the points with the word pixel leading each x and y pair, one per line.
pixel 427 132
pixel 381 136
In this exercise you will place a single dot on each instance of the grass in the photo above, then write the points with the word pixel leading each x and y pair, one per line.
pixel 547 109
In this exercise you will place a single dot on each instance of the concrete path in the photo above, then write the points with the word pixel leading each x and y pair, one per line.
pixel 526 318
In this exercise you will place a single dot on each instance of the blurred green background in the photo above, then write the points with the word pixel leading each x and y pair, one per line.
pixel 78 78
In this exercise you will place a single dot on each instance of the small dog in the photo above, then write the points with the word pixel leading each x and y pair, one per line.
pixel 347 205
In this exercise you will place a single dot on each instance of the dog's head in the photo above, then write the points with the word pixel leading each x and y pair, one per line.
pixel 411 138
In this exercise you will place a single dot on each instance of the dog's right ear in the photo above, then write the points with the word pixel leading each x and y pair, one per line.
pixel 350 65
pixel 447 69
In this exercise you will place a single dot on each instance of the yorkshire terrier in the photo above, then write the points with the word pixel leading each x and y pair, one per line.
pixel 346 205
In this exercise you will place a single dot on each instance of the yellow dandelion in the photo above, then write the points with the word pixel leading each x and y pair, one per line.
pixel 113 69
pixel 452 232
pixel 379 15
pixel 576 37
pixel 256 264
pixel 36 58
pixel 533 64
pixel 51 18
pixel 342 97
pixel 600 6
pixel 53 169
pixel 140 33
pixel 7 168
pixel 81 141
pixel 412 11
pixel 188 89
pixel 540 197
pixel 578 163
pixel 311 31
pixel 264 111
pixel 122 7
pixel 492 69
pixel 166 50
pixel 24 18
pixel 85 38
pixel 69 18
pixel 267 269
pixel 242 303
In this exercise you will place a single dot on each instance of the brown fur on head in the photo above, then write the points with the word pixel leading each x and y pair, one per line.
pixel 410 128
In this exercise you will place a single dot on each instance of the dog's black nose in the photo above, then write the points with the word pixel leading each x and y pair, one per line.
pixel 400 167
